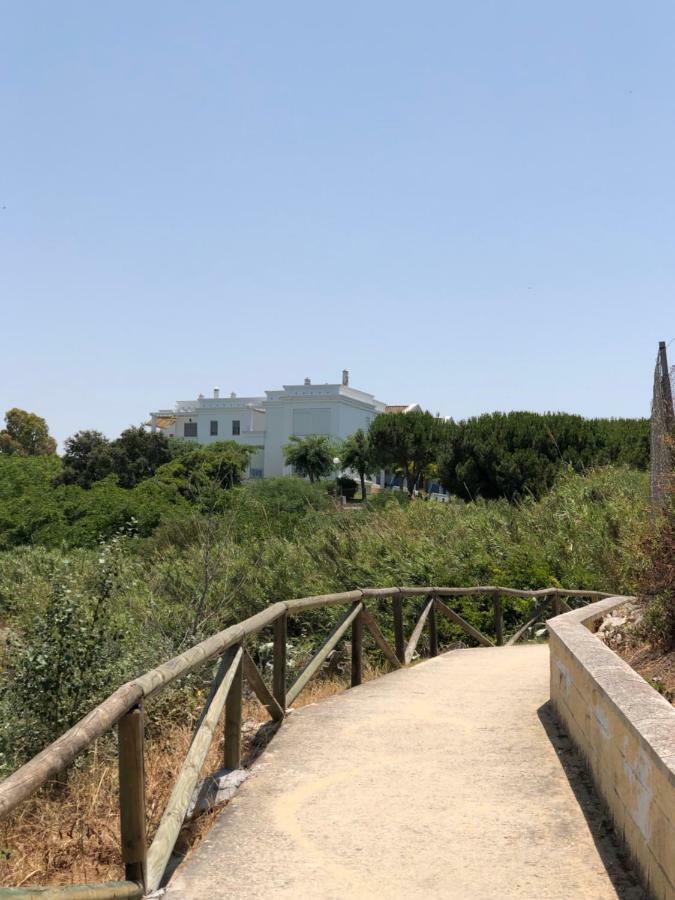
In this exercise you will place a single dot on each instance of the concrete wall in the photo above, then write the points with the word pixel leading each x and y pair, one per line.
pixel 626 732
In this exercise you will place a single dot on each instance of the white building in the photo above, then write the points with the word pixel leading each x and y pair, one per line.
pixel 267 423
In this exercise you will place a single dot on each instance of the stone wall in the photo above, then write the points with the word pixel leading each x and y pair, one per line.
pixel 626 732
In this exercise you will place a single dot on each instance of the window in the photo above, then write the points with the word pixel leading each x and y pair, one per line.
pixel 214 427
pixel 190 429
pixel 236 426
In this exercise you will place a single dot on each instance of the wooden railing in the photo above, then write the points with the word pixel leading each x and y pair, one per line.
pixel 145 865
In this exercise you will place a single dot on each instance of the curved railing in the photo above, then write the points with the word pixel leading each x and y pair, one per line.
pixel 145 865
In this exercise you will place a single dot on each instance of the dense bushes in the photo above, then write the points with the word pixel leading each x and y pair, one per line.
pixel 148 598
pixel 657 582
pixel 37 507
pixel 514 454
pixel 144 557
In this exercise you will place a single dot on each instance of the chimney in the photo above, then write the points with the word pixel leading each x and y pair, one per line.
pixel 345 377
pixel 307 381
pixel 216 393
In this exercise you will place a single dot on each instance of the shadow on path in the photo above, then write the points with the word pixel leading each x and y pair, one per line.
pixel 610 847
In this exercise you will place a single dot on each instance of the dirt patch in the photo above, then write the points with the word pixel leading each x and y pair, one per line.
pixel 620 630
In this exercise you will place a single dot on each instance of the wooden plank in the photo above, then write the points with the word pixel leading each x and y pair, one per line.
pixel 379 638
pixel 108 890
pixel 530 622
pixel 260 689
pixel 557 609
pixel 565 607
pixel 60 754
pixel 399 638
pixel 174 814
pixel 458 620
pixel 279 664
pixel 499 619
pixel 233 711
pixel 157 679
pixel 130 730
pixel 572 592
pixel 463 591
pixel 296 606
pixel 357 650
pixel 316 663
pixel 379 592
pixel 433 631
pixel 414 591
pixel 515 592
pixel 417 631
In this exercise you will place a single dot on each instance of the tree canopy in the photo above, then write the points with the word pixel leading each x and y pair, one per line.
pixel 356 453
pixel 137 454
pixel 25 434
pixel 520 453
pixel 409 443
pixel 311 456
pixel 202 471
pixel 88 457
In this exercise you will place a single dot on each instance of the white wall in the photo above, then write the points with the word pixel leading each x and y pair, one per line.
pixel 332 409
pixel 333 414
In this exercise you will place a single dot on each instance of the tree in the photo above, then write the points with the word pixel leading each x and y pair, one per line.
pixel 311 456
pixel 406 442
pixel 203 473
pixel 137 454
pixel 356 454
pixel 517 454
pixel 26 434
pixel 88 457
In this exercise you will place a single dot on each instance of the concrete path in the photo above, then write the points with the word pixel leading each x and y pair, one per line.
pixel 446 780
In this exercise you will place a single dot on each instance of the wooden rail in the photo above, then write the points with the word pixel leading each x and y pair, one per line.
pixel 145 866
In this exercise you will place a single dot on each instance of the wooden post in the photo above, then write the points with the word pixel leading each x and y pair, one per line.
pixel 557 609
pixel 132 795
pixel 499 619
pixel 279 671
pixel 233 706
pixel 433 630
pixel 357 650
pixel 399 641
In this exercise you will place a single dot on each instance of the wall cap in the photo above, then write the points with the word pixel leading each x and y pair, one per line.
pixel 635 701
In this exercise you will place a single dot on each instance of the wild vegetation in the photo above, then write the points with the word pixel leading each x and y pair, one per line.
pixel 495 455
pixel 657 579
pixel 121 554
pixel 140 599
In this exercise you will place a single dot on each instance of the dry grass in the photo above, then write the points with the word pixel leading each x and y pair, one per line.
pixel 69 833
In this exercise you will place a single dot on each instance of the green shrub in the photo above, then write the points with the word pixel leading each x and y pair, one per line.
pixel 75 651
pixel 657 582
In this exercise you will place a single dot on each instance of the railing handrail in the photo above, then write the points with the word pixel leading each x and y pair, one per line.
pixel 58 755
pixel 145 865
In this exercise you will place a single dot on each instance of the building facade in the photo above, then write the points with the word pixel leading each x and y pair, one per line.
pixel 267 423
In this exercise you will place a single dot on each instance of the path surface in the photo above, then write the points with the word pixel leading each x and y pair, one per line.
pixel 446 780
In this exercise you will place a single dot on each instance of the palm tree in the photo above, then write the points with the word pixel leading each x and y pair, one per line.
pixel 356 454
pixel 311 456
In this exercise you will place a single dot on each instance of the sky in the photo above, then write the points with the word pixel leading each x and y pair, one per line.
pixel 468 205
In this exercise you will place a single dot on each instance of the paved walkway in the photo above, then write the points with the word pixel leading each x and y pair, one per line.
pixel 446 780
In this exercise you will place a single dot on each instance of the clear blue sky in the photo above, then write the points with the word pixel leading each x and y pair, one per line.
pixel 469 205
